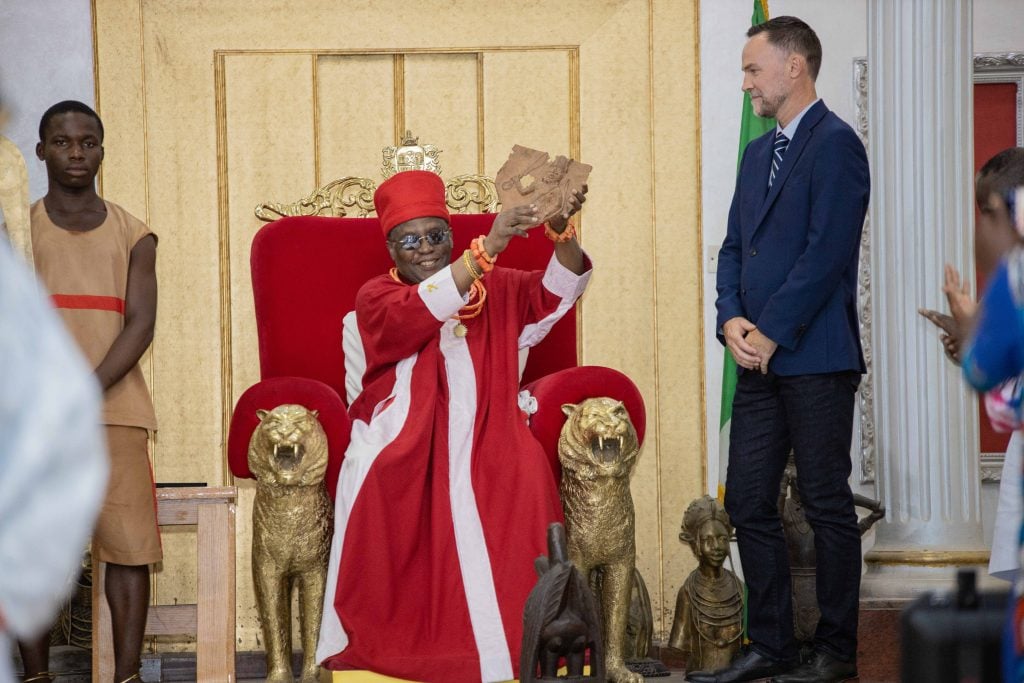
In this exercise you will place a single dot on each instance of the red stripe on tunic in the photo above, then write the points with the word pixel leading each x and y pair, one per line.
pixel 89 302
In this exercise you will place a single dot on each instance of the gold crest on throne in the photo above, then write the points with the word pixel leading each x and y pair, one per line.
pixel 352 196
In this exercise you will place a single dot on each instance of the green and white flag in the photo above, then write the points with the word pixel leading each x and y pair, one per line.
pixel 751 126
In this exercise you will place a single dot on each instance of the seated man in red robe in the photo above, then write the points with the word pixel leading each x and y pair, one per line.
pixel 444 495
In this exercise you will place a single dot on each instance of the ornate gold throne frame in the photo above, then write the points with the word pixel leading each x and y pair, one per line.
pixel 312 256
pixel 352 197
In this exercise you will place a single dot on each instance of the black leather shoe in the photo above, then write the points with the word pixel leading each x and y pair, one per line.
pixel 751 666
pixel 822 668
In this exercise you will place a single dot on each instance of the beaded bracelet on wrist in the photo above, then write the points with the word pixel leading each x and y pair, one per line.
pixel 567 234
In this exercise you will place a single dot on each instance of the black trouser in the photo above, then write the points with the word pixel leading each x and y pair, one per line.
pixel 812 415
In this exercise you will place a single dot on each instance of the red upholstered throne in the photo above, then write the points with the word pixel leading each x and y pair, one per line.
pixel 306 271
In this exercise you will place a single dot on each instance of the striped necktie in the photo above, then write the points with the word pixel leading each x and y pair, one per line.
pixel 781 143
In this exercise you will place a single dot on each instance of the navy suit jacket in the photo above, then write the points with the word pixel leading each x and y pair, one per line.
pixel 789 260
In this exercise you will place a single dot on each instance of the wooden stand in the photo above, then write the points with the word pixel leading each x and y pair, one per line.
pixel 212 620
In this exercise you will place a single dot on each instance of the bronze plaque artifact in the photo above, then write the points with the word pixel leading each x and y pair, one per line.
pixel 532 177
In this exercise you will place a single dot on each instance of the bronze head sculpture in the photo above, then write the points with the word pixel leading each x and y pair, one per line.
pixel 709 608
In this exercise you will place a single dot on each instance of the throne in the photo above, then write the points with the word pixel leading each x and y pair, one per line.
pixel 309 261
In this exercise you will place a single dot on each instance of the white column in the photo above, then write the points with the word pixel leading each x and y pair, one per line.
pixel 921 150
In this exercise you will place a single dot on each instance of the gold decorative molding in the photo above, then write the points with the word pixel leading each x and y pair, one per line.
pixel 481 140
pixel 699 255
pixel 227 398
pixel 447 49
pixel 410 156
pixel 398 78
pixel 928 558
pixel 471 194
pixel 345 197
pixel 316 116
pixel 353 197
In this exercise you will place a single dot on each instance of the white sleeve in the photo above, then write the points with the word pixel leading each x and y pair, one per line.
pixel 355 357
pixel 563 283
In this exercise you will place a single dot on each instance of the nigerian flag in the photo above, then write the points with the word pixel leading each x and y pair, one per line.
pixel 751 126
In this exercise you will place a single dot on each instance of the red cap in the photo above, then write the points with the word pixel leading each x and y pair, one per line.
pixel 408 195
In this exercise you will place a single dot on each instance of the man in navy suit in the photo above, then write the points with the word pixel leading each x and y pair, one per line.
pixel 787 286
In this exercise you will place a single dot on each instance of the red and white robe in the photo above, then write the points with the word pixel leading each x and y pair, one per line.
pixel 444 496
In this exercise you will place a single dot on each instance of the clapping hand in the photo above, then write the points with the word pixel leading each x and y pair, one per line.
pixel 961 305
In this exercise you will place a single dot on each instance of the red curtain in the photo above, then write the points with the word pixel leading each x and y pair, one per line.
pixel 995 129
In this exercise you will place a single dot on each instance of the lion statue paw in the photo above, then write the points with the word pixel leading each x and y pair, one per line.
pixel 618 673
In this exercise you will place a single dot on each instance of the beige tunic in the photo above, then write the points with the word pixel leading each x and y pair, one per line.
pixel 86 274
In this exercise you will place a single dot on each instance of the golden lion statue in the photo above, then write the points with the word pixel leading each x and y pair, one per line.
pixel 291 535
pixel 598 448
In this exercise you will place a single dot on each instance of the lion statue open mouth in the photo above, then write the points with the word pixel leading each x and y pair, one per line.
pixel 291 536
pixel 598 448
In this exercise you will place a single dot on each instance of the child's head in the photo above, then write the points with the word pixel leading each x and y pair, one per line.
pixel 996 183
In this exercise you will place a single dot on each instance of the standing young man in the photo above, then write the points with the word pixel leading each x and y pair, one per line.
pixel 99 264
pixel 787 284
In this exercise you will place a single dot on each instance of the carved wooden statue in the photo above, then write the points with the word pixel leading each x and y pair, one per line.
pixel 291 535
pixel 598 448
pixel 560 621
pixel 709 608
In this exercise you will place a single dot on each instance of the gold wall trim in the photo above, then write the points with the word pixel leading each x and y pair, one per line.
pixel 480 139
pixel 575 149
pixel 574 102
pixel 654 290
pixel 395 51
pixel 96 77
pixel 700 253
pixel 399 93
pixel 145 107
pixel 151 362
pixel 928 558
pixel 316 119
pixel 224 242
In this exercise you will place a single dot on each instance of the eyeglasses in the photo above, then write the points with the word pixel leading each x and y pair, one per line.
pixel 433 238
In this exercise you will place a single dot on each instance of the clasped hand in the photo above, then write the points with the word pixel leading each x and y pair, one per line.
pixel 751 349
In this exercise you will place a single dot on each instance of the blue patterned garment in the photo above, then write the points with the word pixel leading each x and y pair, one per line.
pixel 996 352
pixel 995 355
